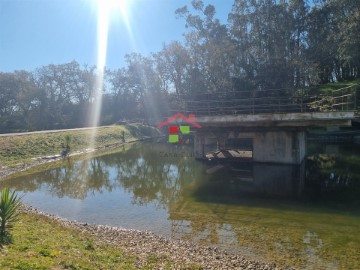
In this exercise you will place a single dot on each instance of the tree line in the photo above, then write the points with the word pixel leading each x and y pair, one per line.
pixel 265 45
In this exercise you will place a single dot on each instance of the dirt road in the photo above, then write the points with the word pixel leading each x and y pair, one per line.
pixel 46 131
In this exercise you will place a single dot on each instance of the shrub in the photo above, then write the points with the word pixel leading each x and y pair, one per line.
pixel 67 140
pixel 66 149
pixel 9 204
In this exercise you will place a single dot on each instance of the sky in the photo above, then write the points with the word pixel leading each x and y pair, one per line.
pixel 34 33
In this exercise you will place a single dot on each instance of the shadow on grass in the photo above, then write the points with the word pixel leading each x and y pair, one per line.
pixel 5 240
pixel 141 131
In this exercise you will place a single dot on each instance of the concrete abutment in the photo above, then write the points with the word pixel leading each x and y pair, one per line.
pixel 275 138
pixel 276 146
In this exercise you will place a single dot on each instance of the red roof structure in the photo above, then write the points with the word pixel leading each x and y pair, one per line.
pixel 190 120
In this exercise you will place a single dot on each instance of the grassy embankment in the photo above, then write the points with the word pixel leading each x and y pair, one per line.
pixel 331 88
pixel 337 85
pixel 42 243
pixel 17 150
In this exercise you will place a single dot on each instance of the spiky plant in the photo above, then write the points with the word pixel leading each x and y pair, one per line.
pixel 66 148
pixel 9 204
pixel 68 141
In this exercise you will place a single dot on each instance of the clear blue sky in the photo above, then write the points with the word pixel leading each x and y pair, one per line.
pixel 34 33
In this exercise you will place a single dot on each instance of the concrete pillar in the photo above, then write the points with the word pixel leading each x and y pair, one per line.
pixel 302 146
pixel 287 147
pixel 199 145
pixel 222 141
pixel 276 146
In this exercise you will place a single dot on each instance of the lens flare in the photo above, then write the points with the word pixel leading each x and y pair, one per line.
pixel 102 38
pixel 106 9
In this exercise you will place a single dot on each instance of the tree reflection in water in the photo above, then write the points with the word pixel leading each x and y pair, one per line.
pixel 150 177
pixel 259 209
pixel 137 169
pixel 74 179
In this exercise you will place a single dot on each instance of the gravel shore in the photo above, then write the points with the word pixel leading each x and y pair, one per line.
pixel 143 244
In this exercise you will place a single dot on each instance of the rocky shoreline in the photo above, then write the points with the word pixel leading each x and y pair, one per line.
pixel 143 244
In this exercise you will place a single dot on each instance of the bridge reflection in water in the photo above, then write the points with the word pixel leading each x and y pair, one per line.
pixel 235 183
pixel 272 180
pixel 279 213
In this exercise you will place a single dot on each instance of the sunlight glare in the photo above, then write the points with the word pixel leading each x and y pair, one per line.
pixel 104 10
pixel 107 11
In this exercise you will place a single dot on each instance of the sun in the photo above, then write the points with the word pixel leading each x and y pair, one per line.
pixel 109 11
pixel 113 9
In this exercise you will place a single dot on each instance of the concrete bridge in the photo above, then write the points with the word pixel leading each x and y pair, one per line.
pixel 271 125
pixel 277 138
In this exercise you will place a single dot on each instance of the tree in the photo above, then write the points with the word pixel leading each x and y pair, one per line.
pixel 30 100
pixel 209 48
pixel 173 63
pixel 8 92
pixel 69 92
pixel 263 34
pixel 348 21
pixel 299 11
pixel 20 101
pixel 334 40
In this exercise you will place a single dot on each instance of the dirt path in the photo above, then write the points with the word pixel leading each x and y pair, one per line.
pixel 47 131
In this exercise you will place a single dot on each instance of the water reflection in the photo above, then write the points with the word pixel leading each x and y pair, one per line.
pixel 291 214
pixel 143 171
pixel 237 180
pixel 74 180
pixel 157 173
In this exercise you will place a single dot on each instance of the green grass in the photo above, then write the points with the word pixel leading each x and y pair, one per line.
pixel 41 243
pixel 16 150
pixel 337 85
pixel 329 88
pixel 345 94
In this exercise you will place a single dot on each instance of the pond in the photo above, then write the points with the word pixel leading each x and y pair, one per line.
pixel 307 216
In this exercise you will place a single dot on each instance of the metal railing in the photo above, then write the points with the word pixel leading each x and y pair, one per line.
pixel 271 101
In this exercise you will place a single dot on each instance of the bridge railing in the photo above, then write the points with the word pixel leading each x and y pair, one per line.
pixel 271 101
pixel 343 99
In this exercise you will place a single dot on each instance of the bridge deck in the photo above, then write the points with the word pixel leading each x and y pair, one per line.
pixel 278 120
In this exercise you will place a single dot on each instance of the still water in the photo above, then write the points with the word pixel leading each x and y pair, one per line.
pixel 306 216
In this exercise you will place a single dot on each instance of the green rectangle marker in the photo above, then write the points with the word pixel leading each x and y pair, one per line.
pixel 173 138
pixel 185 129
